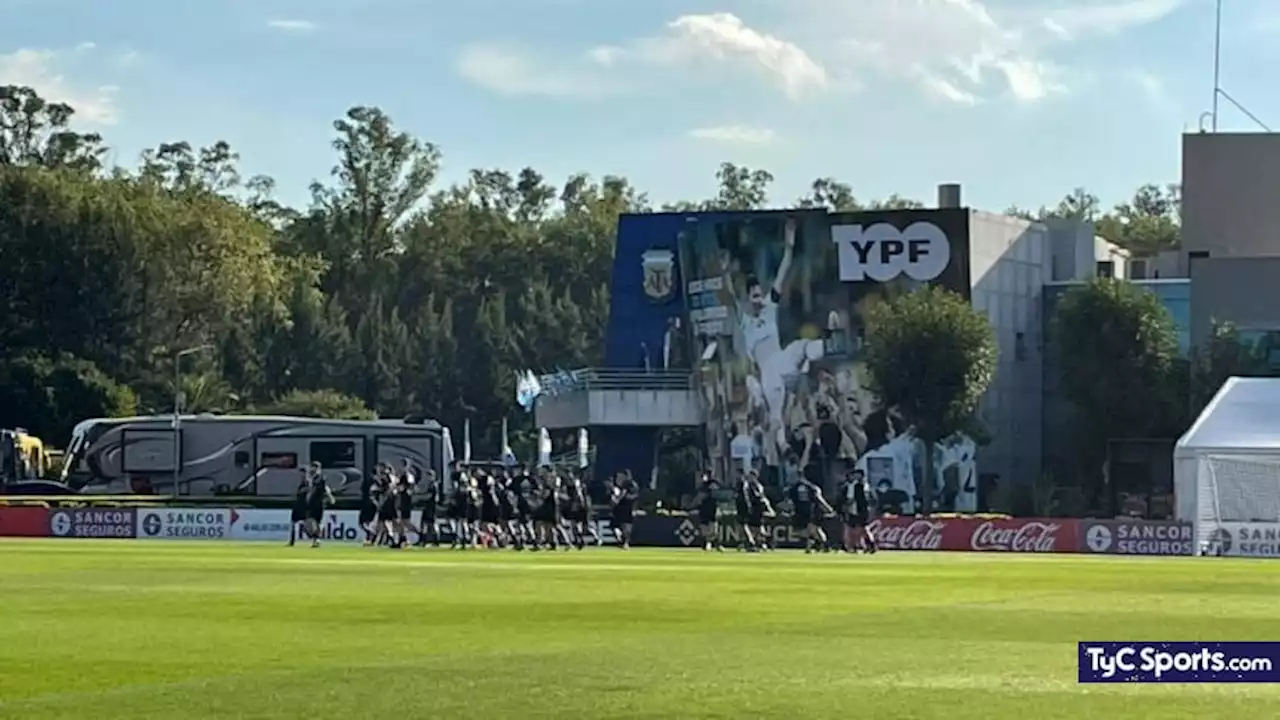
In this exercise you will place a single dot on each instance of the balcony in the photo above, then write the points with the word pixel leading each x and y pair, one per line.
pixel 593 397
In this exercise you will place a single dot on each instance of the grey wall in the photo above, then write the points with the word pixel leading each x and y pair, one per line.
pixel 1229 183
pixel 1009 264
pixel 1243 291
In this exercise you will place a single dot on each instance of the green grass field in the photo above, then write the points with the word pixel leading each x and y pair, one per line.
pixel 100 630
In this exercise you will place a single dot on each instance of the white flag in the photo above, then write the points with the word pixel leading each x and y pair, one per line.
pixel 544 447
pixel 466 441
pixel 584 448
pixel 508 457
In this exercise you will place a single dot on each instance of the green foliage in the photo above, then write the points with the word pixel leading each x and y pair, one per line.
pixel 931 356
pixel 1146 225
pixel 1115 345
pixel 386 287
pixel 1223 355
pixel 49 397
pixel 318 403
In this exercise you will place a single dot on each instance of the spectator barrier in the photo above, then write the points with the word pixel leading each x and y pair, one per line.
pixel 944 533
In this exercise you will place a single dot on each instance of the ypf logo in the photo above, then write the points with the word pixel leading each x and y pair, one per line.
pixel 1098 538
pixel 882 252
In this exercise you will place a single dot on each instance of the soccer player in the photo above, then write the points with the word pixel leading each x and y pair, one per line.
pixel 809 507
pixel 857 518
pixel 298 518
pixel 430 494
pixel 706 507
pixel 763 342
pixel 579 513
pixel 761 508
pixel 624 497
pixel 489 516
pixel 742 508
pixel 549 512
pixel 404 506
pixel 368 506
pixel 319 496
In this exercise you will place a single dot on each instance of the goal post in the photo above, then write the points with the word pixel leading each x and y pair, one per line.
pixel 1238 505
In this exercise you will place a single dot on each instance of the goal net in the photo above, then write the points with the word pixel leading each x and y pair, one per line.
pixel 1238 506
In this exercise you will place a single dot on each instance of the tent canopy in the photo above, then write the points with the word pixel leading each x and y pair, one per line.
pixel 1244 416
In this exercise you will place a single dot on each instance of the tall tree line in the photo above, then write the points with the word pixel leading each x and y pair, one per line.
pixel 386 292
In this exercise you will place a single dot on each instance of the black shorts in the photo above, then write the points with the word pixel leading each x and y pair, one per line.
pixel 368 513
pixel 576 514
pixel 387 513
pixel 473 513
pixel 706 517
pixel 315 513
pixel 753 518
pixel 801 522
pixel 298 515
pixel 428 514
pixel 548 513
pixel 488 514
pixel 405 506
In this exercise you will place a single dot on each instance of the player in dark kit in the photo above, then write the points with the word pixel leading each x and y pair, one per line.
pixel 388 509
pixel 624 496
pixel 368 503
pixel 459 499
pixel 579 515
pixel 508 520
pixel 548 515
pixel 404 508
pixel 857 515
pixel 808 508
pixel 761 508
pixel 527 502
pixel 489 515
pixel 298 517
pixel 429 500
pixel 318 498
pixel 705 508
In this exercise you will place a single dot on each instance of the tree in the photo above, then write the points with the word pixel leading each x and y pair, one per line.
pixel 1223 355
pixel 34 131
pixel 49 397
pixel 931 357
pixel 1115 345
pixel 318 404
pixel 1147 224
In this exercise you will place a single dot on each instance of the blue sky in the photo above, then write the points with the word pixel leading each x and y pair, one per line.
pixel 1019 100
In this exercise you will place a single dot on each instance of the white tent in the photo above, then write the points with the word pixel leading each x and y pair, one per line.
pixel 1226 467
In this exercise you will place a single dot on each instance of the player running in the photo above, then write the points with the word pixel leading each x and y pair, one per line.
pixel 706 508
pixel 808 508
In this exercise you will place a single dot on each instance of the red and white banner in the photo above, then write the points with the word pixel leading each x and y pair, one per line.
pixel 1020 535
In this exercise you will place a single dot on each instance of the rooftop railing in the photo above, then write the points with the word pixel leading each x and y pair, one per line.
pixel 616 379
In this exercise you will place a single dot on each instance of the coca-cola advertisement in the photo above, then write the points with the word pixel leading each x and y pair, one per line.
pixel 901 533
pixel 1025 535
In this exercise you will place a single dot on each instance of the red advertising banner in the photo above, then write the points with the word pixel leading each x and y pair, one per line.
pixel 24 522
pixel 969 534
pixel 1137 537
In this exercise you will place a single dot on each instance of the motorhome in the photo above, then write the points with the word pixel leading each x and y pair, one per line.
pixel 212 455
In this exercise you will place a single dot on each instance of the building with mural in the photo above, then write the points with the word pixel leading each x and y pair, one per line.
pixel 749 327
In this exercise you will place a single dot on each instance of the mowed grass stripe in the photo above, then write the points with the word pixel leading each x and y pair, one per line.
pixel 115 629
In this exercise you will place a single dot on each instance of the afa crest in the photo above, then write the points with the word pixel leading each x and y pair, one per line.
pixel 659 274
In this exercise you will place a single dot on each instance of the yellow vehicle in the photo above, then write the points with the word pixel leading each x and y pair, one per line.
pixel 22 456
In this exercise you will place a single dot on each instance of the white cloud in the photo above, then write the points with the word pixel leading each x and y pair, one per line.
pixel 960 51
pixel 689 44
pixel 507 72
pixel 43 71
pixel 738 134
pixel 293 26
pixel 1110 18
pixel 723 37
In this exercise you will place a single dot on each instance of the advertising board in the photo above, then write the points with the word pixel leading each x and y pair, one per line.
pixel 184 523
pixel 1137 537
pixel 24 522
pixel 1245 539
pixel 118 523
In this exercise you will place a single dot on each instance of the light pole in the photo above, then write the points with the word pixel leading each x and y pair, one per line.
pixel 177 412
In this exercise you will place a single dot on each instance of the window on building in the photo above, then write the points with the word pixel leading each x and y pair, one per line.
pixel 1138 270
pixel 1106 269
pixel 334 454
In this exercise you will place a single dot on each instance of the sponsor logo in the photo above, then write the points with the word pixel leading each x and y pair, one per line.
pixel 910 535
pixel 1179 662
pixel 1032 536
pixel 185 524
pixel 659 267
pixel 1098 538
pixel 687 533
pixel 92 523
pixel 1138 537
pixel 1246 539
pixel 882 252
